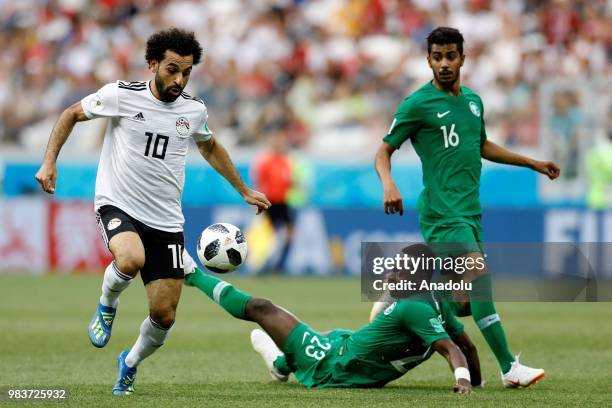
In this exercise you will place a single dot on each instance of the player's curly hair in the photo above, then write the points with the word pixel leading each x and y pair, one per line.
pixel 180 41
pixel 444 36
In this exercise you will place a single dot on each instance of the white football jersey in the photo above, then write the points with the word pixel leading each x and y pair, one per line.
pixel 142 165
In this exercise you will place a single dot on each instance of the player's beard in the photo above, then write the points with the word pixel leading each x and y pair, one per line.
pixel 447 81
pixel 164 91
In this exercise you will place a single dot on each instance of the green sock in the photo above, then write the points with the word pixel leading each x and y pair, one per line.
pixel 228 297
pixel 488 322
pixel 282 365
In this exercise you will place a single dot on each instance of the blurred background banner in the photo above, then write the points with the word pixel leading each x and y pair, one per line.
pixel 333 71
pixel 330 184
pixel 38 235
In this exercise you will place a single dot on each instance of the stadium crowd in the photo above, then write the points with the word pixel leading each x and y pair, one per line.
pixel 336 69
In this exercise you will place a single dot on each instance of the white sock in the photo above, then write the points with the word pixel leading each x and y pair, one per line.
pixel 113 284
pixel 152 336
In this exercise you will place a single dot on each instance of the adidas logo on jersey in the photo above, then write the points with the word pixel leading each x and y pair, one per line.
pixel 139 116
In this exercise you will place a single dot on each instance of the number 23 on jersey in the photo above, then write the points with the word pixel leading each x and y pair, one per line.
pixel 315 349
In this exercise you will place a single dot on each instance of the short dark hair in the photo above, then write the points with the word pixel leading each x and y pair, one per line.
pixel 444 36
pixel 180 41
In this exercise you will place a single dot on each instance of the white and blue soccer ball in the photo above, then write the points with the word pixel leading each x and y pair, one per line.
pixel 222 247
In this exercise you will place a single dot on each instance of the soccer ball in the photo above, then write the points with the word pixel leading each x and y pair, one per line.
pixel 222 247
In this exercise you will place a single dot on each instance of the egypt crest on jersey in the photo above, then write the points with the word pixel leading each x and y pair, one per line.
pixel 142 164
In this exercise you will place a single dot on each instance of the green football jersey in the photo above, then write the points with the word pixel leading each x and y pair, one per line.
pixel 396 341
pixel 447 133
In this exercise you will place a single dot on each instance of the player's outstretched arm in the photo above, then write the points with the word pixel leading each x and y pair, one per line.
pixel 216 155
pixel 498 154
pixel 47 174
pixel 468 349
pixel 458 364
pixel 392 198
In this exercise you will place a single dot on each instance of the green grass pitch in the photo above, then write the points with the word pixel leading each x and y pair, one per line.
pixel 208 360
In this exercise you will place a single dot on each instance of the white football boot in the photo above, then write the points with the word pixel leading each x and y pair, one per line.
pixel 521 376
pixel 267 349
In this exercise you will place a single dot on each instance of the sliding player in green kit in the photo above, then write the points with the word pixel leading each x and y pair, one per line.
pixel 445 123
pixel 405 335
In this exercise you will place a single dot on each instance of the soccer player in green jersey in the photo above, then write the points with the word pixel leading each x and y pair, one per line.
pixel 445 123
pixel 405 335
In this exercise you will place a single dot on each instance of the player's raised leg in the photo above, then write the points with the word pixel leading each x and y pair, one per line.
pixel 276 322
pixel 129 256
pixel 163 295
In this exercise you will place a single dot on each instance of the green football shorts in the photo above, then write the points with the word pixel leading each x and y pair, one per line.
pixel 453 236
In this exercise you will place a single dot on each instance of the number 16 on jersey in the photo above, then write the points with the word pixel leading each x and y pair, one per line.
pixel 450 138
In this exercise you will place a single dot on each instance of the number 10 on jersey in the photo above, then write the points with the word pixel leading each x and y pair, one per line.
pixel 155 153
pixel 450 138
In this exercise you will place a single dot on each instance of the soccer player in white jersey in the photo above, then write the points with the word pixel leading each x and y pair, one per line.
pixel 139 186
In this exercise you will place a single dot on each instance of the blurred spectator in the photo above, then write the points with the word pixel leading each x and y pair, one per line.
pixel 565 126
pixel 599 170
pixel 334 68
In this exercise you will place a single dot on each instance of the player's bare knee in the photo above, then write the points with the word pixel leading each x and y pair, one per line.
pixel 163 317
pixel 258 307
pixel 128 251
pixel 130 263
pixel 164 314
